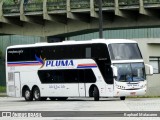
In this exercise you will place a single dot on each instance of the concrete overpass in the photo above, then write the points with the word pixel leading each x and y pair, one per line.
pixel 66 17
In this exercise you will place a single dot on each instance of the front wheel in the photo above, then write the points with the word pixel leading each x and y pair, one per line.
pixel 122 98
pixel 36 94
pixel 28 95
pixel 96 94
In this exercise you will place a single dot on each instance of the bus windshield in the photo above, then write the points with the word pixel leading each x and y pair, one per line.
pixel 130 72
pixel 124 51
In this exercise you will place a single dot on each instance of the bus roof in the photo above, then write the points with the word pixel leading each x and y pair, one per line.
pixel 71 42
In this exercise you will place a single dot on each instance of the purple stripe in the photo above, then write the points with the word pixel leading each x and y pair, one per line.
pixel 22 62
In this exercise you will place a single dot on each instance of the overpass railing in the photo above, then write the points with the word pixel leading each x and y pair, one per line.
pixel 105 3
pixel 56 5
pixel 151 2
pixel 13 6
pixel 80 4
pixel 128 2
pixel 33 6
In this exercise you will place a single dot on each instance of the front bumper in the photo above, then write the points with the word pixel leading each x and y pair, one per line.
pixel 136 92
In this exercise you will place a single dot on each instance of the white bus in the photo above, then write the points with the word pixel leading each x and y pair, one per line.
pixel 94 68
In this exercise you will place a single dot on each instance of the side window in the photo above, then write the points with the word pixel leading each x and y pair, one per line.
pixel 100 52
pixel 70 76
pixel 57 76
pixel 59 52
pixel 88 52
pixel 89 76
pixel 67 76
pixel 108 74
pixel 86 76
pixel 81 76
pixel 155 62
pixel 39 52
pixel 18 54
pixel 51 76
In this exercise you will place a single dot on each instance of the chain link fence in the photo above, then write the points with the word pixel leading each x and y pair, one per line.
pixel 2 73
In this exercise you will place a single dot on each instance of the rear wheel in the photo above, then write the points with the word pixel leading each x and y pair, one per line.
pixel 122 98
pixel 36 94
pixel 96 94
pixel 28 95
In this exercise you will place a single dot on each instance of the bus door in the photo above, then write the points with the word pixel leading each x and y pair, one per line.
pixel 11 84
pixel 17 84
pixel 82 89
pixel 82 83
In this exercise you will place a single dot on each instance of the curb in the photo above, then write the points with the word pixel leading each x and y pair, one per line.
pixel 3 94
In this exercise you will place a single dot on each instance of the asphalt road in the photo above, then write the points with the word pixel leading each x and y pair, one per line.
pixel 79 106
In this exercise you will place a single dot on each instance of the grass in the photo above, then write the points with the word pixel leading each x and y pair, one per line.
pixel 2 89
pixel 143 97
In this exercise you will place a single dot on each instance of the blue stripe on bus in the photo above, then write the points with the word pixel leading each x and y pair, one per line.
pixel 86 66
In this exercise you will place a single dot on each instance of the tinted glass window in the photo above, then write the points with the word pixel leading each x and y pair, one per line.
pixel 19 54
pixel 59 52
pixel 89 76
pixel 24 54
pixel 88 52
pixel 100 51
pixel 124 51
pixel 67 76
pixel 70 76
pixel 81 76
pixel 131 72
pixel 108 74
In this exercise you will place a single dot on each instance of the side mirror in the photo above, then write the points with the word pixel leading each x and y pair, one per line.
pixel 115 71
pixel 149 69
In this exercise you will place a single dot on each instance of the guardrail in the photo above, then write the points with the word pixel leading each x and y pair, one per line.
pixel 80 4
pixel 151 1
pixel 9 6
pixel 33 6
pixel 2 73
pixel 13 6
pixel 56 5
pixel 128 2
pixel 105 3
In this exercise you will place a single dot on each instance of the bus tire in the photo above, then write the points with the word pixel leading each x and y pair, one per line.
pixel 28 94
pixel 36 94
pixel 96 94
pixel 122 98
pixel 62 98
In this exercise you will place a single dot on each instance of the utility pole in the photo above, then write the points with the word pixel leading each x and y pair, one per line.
pixel 100 19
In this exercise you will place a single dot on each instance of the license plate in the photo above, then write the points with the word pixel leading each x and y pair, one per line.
pixel 133 93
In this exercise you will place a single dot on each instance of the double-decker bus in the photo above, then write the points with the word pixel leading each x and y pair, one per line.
pixel 94 68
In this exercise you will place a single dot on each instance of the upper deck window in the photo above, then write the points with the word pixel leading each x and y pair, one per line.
pixel 124 51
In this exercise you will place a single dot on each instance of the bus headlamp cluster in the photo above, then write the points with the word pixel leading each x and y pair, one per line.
pixel 143 86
